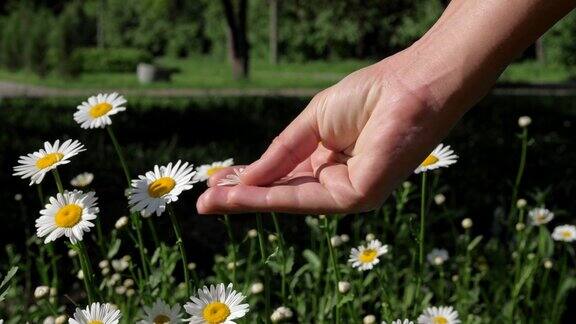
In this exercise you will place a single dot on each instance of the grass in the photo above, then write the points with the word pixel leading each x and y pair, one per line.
pixel 207 73
pixel 203 72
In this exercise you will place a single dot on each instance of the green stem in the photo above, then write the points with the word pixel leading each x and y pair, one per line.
pixel 49 246
pixel 283 251
pixel 58 181
pixel 231 238
pixel 120 154
pixel 421 238
pixel 153 231
pixel 334 266
pixel 263 259
pixel 520 173
pixel 86 271
pixel 180 244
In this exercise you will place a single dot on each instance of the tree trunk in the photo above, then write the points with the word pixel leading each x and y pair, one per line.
pixel 237 37
pixel 273 32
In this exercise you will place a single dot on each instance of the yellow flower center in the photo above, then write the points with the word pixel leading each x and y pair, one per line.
pixel 48 160
pixel 439 320
pixel 96 322
pixel 431 159
pixel 99 110
pixel 215 312
pixel 161 319
pixel 213 170
pixel 566 234
pixel 368 255
pixel 161 186
pixel 68 216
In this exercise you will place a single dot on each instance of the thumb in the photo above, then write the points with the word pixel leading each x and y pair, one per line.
pixel 295 144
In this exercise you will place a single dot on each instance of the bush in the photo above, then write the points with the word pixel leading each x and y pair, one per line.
pixel 110 59
pixel 37 44
pixel 12 37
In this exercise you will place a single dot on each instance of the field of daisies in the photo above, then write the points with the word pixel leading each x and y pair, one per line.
pixel 386 266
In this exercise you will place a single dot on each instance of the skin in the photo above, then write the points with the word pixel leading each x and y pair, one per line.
pixel 357 140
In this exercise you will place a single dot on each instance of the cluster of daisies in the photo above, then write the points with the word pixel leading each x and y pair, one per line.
pixel 541 216
pixel 73 213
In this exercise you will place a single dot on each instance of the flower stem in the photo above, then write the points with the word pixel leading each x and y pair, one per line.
pixel 180 244
pixel 283 251
pixel 58 181
pixel 263 260
pixel 49 246
pixel 520 173
pixel 421 238
pixel 334 266
pixel 86 271
pixel 120 154
pixel 231 238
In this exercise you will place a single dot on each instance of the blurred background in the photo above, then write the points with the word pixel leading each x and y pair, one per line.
pixel 207 80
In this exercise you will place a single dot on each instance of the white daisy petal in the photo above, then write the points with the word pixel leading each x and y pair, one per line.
pixel 152 192
pixel 96 111
pixel 442 314
pixel 565 233
pixel 160 312
pixel 441 157
pixel 365 257
pixel 96 313
pixel 205 171
pixel 217 304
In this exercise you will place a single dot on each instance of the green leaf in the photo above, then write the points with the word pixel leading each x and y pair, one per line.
pixel 5 285
pixel 312 259
pixel 472 245
pixel 114 248
pixel 347 298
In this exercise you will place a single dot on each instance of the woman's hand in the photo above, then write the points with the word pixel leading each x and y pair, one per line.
pixel 345 152
pixel 359 138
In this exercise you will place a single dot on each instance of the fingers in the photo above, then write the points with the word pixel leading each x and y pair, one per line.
pixel 304 196
pixel 288 150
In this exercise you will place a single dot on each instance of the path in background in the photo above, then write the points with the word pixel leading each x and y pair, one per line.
pixel 17 90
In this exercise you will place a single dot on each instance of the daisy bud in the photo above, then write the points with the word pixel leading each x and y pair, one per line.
pixel 321 216
pixel 49 320
pixel 72 253
pixel 531 256
pixel 191 266
pixel 439 199
pixel 128 283
pixel 524 121
pixel 127 258
pixel 17 197
pixel 521 203
pixel 41 292
pixel 130 292
pixel 345 238
pixel 82 180
pixel 231 266
pixel 520 226
pixel 343 287
pixel 369 319
pixel 53 292
pixel 467 223
pixel 219 259
pixel 256 288
pixel 105 271
pixel 120 290
pixel 335 241
pixel 272 237
pixel 115 278
pixel 548 264
pixel 514 255
pixel 252 233
pixel 281 313
pixel 455 278
pixel 80 275
pixel 61 319
pixel 406 184
pixel 103 264
pixel 121 222
pixel 370 237
pixel 311 221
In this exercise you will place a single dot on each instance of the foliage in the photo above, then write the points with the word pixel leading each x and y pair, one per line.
pixel 560 41
pixel 96 59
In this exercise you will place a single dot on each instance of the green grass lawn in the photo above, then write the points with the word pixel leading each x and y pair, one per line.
pixel 212 73
pixel 208 73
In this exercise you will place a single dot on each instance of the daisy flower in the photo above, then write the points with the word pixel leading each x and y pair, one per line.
pixel 365 257
pixel 161 313
pixel 399 321
pixel 36 165
pixel 441 157
pixel 437 257
pixel 205 171
pixel 151 192
pixel 217 304
pixel 232 179
pixel 540 216
pixel 96 112
pixel 69 214
pixel 439 315
pixel 280 314
pixel 82 180
pixel 566 233
pixel 96 313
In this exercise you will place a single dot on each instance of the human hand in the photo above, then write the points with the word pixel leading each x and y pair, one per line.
pixel 345 152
